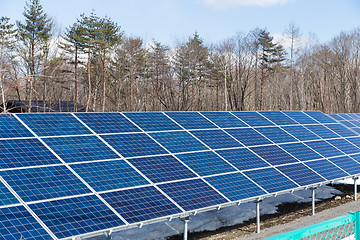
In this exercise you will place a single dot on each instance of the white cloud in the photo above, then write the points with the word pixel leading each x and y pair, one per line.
pixel 231 3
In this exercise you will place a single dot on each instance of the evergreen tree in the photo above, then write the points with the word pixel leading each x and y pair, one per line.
pixel 271 55
pixel 34 36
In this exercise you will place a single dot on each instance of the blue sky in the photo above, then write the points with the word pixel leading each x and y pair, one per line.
pixel 169 21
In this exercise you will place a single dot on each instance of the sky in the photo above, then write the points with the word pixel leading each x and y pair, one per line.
pixel 174 21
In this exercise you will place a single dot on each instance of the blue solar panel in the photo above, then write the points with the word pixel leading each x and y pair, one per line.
pixel 322 131
pixel 336 117
pixel 327 169
pixel 109 175
pixel 205 163
pixel 216 139
pixel 53 124
pixel 193 194
pixel 17 223
pixel 324 148
pixel 356 130
pixel 243 158
pixel 131 145
pixel 191 120
pixel 75 216
pixel 355 141
pixel 347 164
pixel 107 122
pixel 346 116
pixel 300 151
pixel 341 130
pixel 301 174
pixel 278 118
pixel 349 124
pixel 235 186
pixel 344 146
pixel 152 121
pixel 140 204
pixel 34 184
pixel 80 148
pixel 274 155
pixel 177 142
pixel 300 117
pixel 6 197
pixel 356 123
pixel 248 136
pixel 276 134
pixel 162 168
pixel 10 127
pixel 320 117
pixel 254 119
pixel 271 179
pixel 24 152
pixel 224 119
pixel 300 133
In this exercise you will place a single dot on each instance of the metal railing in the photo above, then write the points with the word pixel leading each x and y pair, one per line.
pixel 347 226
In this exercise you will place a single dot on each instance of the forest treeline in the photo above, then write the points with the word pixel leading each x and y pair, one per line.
pixel 95 63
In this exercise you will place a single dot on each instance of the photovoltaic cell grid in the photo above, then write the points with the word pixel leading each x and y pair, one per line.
pixel 303 148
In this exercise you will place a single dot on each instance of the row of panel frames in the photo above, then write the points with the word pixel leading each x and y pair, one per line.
pixel 70 174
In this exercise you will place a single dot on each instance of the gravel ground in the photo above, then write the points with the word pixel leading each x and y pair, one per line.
pixel 306 221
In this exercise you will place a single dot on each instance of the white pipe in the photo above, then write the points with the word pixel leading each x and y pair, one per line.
pixel 313 201
pixel 257 216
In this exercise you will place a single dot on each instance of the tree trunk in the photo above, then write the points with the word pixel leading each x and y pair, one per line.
pixel 89 81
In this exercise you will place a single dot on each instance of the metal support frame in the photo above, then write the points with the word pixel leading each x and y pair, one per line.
pixel 186 221
pixel 355 187
pixel 258 215
pixel 313 200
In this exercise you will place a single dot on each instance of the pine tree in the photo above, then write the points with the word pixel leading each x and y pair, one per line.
pixel 271 55
pixel 34 35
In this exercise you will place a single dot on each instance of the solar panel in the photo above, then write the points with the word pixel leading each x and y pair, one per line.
pixel 300 117
pixel 88 173
pixel 248 136
pixel 274 155
pixel 322 131
pixel 191 120
pixel 344 146
pixel 152 121
pixel 80 148
pixel 24 152
pixel 320 117
pixel 177 142
pixel 347 164
pixel 162 168
pixel 10 127
pixel 243 158
pixel 107 122
pixel 205 163
pixel 271 179
pixel 301 174
pixel 74 216
pixel 132 145
pixel 6 197
pixel 300 151
pixel 17 223
pixel 276 134
pixel 278 118
pixel 253 119
pixel 327 169
pixel 336 117
pixel 300 132
pixel 193 194
pixel 324 148
pixel 54 124
pixel 140 204
pixel 108 175
pixel 33 184
pixel 224 119
pixel 216 139
pixel 235 186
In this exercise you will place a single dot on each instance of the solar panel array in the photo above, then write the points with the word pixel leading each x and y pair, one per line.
pixel 72 174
